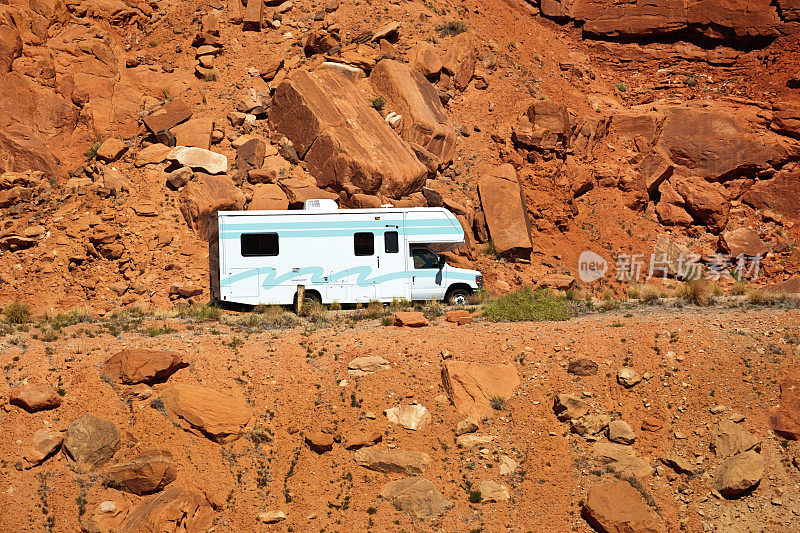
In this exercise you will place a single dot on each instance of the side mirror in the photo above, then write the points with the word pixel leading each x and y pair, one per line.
pixel 441 261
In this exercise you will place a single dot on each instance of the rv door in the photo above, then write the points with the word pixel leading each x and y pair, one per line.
pixel 393 281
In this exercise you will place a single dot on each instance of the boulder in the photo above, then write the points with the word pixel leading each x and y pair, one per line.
pixel 300 189
pixel 426 60
pixel 45 443
pixel 409 94
pixel 619 431
pixel 582 367
pixel 705 202
pixel 145 473
pixel 622 460
pixel 559 282
pixel 417 497
pixel 319 442
pixel 202 197
pixel 268 197
pixel 199 159
pixel 471 386
pixel 216 415
pixel 392 461
pixel 111 150
pixel 356 439
pixel 175 509
pixel 785 419
pixel 503 205
pixel 34 398
pixel 739 474
pixel 251 154
pixel 362 366
pixel 628 377
pixel 567 407
pixel 672 259
pixel 618 508
pixel 468 425
pixel 457 316
pixel 90 442
pixel 414 319
pixel 184 290
pixel 470 440
pixel 546 126
pixel 195 132
pixel 319 42
pixel 680 464
pixel 459 61
pixel 168 116
pixel 180 177
pixel 341 138
pixel 491 491
pixel 589 425
pixel 409 416
pixel 138 365
pixel 778 193
pixel 742 241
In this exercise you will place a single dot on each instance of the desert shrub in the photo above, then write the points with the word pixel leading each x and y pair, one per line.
pixel 373 310
pixel 74 316
pixel 432 309
pixel 739 288
pixel 400 304
pixel 621 86
pixel 200 312
pixel 498 403
pixel 527 304
pixel 451 28
pixel 696 291
pixel 646 293
pixel 314 312
pixel 267 317
pixel 475 496
pixel 91 153
pixel 759 296
pixel 377 103
pixel 17 312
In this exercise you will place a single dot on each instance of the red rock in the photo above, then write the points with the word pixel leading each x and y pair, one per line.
pixel 786 119
pixel 785 419
pixel 561 282
pixel 409 94
pixel 168 116
pixel 413 319
pixel 319 442
pixel 742 241
pixel 111 150
pixel 779 193
pixel 218 416
pixel 10 46
pixel 202 197
pixel 705 202
pixel 14 196
pixel 194 132
pixel 460 60
pixel 185 290
pixel 251 154
pixel 253 16
pixel 319 42
pixel 139 365
pixel 268 196
pixel 619 508
pixel 651 424
pixel 144 473
pixel 341 138
pixel 426 59
pixel 46 442
pixel 357 439
pixel 175 509
pixel 454 316
pixel 34 398
pixel 152 155
pixel 464 320
pixel 471 386
pixel 504 209
pixel 790 285
pixel 300 189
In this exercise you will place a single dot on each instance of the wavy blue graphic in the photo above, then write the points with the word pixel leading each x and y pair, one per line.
pixel 363 279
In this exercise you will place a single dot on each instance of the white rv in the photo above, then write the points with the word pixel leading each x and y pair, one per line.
pixel 345 256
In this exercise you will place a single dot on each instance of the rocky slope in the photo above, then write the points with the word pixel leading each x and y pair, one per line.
pixel 612 129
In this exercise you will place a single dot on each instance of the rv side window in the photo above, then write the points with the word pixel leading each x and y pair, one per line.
pixel 364 243
pixel 390 243
pixel 259 244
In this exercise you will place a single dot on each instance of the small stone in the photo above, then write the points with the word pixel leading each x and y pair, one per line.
pixel 492 491
pixel 628 377
pixel 582 367
pixel 619 431
pixel 319 442
pixel 271 517
pixel 468 425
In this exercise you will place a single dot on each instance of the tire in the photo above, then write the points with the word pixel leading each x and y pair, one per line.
pixel 313 297
pixel 458 296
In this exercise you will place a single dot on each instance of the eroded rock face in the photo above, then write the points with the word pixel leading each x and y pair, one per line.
pixel 134 366
pixel 175 509
pixel 417 497
pixel 220 417
pixel 716 19
pixel 618 507
pixel 779 193
pixel 341 138
pixel 144 473
pixel 409 94
pixel 91 442
pixel 504 211
pixel 471 386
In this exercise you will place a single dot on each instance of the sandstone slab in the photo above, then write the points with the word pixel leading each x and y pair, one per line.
pixel 139 365
pixel 218 416
pixel 471 386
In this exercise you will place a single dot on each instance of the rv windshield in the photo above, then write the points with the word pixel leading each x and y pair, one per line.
pixel 424 258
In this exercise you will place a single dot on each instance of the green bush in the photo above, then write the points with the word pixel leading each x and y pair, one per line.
pixel 527 304
pixel 378 102
pixel 17 312
pixel 450 28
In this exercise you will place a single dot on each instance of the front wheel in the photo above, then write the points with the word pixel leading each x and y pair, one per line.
pixel 458 297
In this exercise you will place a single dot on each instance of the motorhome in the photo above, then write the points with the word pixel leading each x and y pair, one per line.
pixel 337 255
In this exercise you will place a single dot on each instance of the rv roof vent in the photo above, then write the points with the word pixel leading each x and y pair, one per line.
pixel 320 205
pixel 387 205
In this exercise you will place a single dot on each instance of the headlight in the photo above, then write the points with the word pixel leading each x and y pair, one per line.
pixel 479 280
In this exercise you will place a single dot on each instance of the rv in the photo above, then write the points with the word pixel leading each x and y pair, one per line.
pixel 332 255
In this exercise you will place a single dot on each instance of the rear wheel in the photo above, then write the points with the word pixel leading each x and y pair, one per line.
pixel 458 296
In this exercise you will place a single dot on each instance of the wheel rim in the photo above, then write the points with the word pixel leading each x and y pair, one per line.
pixel 459 299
